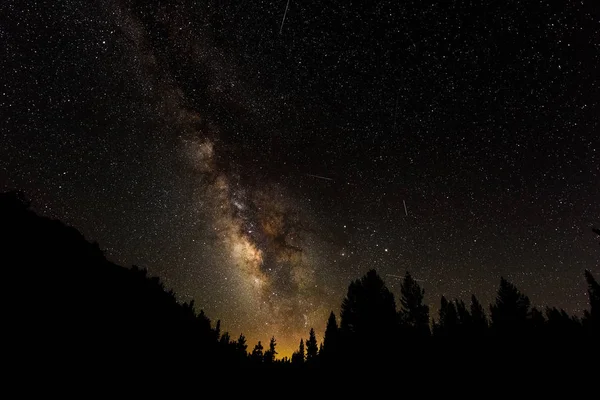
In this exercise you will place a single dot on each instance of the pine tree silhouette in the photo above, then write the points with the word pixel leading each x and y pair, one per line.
pixel 272 345
pixel 331 340
pixel 312 347
pixel 479 321
pixel 225 339
pixel 218 330
pixel 270 354
pixel 447 325
pixel 368 313
pixel 560 324
pixel 414 315
pixel 510 311
pixel 538 321
pixel 464 317
pixel 257 355
pixel 241 345
pixel 203 320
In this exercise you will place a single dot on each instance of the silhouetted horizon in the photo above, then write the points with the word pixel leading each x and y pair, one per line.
pixel 96 310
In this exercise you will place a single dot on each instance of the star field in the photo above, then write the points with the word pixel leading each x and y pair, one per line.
pixel 259 167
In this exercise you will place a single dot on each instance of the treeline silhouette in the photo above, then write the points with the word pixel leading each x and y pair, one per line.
pixel 68 302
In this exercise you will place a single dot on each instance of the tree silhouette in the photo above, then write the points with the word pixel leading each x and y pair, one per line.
pixel 225 339
pixel 560 324
pixel 331 340
pixel 272 345
pixel 413 313
pixel 270 354
pixel 218 330
pixel 298 356
pixel 464 318
pixel 479 321
pixel 368 309
pixel 202 319
pixel 312 347
pixel 510 311
pixel 537 321
pixel 368 312
pixel 241 346
pixel 447 324
pixel 257 353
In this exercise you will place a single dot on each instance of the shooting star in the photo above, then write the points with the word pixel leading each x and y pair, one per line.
pixel 284 14
pixel 320 177
pixel 405 210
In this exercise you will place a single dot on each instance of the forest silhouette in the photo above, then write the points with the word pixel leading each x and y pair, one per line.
pixel 68 302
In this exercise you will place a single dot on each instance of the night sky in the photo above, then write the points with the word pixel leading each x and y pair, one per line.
pixel 258 164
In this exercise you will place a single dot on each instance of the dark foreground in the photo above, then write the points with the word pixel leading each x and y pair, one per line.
pixel 70 312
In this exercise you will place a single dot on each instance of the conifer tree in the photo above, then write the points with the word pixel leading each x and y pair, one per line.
pixel 218 330
pixel 241 345
pixel 225 339
pixel 464 318
pixel 272 345
pixel 270 354
pixel 537 320
pixel 413 313
pixel 479 321
pixel 257 353
pixel 312 347
pixel 511 309
pixel 448 319
pixel 331 340
pixel 368 312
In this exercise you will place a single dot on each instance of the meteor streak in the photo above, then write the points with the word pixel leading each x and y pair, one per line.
pixel 320 177
pixel 284 14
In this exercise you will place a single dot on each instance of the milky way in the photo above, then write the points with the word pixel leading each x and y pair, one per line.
pixel 259 168
pixel 265 237
pixel 267 241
